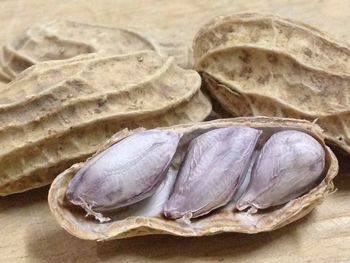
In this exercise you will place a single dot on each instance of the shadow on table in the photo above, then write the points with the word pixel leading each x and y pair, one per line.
pixel 59 246
pixel 342 181
pixel 229 245
pixel 23 200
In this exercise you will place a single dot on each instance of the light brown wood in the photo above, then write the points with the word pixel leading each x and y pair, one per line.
pixel 30 234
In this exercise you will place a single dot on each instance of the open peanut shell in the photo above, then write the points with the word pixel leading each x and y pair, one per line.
pixel 74 221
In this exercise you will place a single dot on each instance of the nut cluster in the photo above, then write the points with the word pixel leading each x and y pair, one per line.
pixel 216 163
pixel 121 128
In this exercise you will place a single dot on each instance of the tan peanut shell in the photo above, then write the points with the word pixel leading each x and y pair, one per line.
pixel 257 64
pixel 57 113
pixel 63 39
pixel 305 43
pixel 75 222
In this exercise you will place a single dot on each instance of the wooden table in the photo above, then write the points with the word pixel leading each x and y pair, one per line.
pixel 28 232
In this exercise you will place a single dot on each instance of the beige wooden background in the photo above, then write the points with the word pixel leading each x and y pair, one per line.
pixel 28 233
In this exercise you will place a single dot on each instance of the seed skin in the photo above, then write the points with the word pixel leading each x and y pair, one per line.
pixel 214 164
pixel 290 164
pixel 124 174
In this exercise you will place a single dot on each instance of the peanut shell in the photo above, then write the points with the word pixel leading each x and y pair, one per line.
pixel 256 64
pixel 305 43
pixel 75 222
pixel 63 39
pixel 56 113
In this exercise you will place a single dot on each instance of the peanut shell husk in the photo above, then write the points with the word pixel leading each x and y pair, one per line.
pixel 57 113
pixel 63 39
pixel 265 65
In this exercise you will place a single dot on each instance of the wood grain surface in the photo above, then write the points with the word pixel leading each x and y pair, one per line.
pixel 29 233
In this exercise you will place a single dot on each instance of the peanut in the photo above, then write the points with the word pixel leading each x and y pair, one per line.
pixel 124 174
pixel 289 165
pixel 215 163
